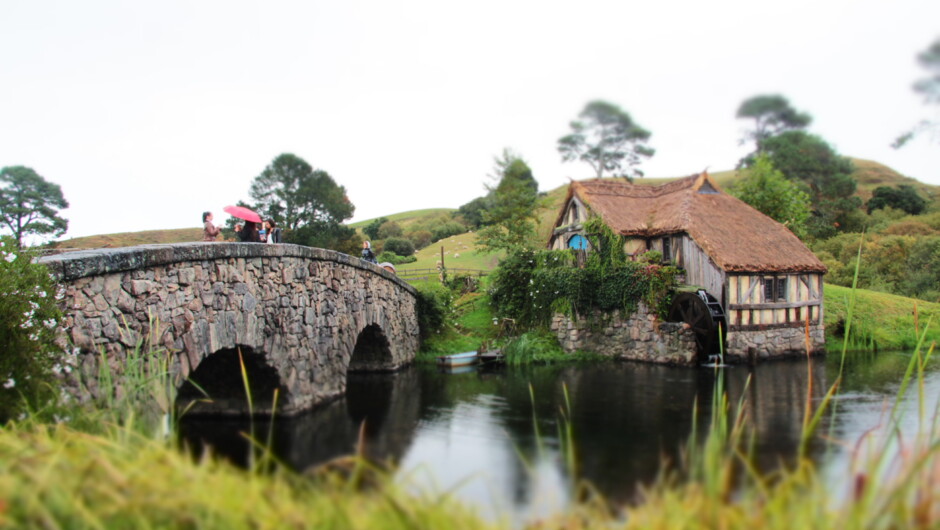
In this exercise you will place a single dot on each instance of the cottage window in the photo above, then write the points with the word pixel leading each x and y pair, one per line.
pixel 775 289
pixel 667 250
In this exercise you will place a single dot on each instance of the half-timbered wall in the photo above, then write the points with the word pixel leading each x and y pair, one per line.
pixel 769 299
pixel 575 214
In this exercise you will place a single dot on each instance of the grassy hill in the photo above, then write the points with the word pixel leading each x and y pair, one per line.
pixel 406 219
pixel 868 174
pixel 129 239
pixel 882 320
pixel 459 252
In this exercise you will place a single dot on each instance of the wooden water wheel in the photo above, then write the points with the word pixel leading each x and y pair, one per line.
pixel 704 315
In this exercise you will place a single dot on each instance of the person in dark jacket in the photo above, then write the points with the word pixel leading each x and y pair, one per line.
pixel 367 253
pixel 249 233
pixel 274 233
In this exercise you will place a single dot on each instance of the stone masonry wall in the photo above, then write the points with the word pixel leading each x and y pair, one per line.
pixel 641 336
pixel 302 308
pixel 773 343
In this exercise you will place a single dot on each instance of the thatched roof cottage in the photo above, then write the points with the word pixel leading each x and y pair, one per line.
pixel 761 281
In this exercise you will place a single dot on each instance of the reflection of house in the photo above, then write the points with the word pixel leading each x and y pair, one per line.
pixel 766 280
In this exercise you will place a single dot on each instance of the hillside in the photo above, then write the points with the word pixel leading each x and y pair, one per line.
pixel 868 174
pixel 129 239
pixel 882 320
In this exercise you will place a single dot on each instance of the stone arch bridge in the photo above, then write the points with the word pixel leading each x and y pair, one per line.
pixel 301 317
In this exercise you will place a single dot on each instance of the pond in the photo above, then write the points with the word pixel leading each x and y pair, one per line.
pixel 495 436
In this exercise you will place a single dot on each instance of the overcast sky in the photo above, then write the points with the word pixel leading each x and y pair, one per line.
pixel 148 113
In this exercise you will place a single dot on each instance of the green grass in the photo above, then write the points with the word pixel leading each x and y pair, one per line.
pixel 472 329
pixel 406 218
pixel 881 321
pixel 459 252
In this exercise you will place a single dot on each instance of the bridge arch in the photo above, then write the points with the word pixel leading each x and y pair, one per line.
pixel 311 314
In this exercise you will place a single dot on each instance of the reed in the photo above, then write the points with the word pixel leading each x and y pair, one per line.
pixel 52 476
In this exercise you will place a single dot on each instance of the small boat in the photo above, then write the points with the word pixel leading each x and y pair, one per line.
pixel 459 359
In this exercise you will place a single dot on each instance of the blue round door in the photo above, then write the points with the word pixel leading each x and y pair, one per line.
pixel 578 242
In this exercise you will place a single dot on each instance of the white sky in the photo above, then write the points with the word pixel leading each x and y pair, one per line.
pixel 148 113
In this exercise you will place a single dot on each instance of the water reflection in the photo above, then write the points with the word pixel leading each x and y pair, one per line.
pixel 494 435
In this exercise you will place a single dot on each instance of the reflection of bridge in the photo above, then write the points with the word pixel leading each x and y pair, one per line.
pixel 302 317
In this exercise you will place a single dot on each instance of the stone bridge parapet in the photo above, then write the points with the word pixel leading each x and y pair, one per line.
pixel 311 314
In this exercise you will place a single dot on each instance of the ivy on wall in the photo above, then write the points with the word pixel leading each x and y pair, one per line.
pixel 529 286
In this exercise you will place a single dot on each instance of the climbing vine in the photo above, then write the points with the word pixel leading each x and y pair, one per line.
pixel 530 286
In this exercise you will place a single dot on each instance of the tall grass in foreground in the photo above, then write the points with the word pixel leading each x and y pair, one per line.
pixel 56 476
pixel 52 476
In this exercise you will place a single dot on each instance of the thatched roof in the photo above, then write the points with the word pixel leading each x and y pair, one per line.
pixel 735 236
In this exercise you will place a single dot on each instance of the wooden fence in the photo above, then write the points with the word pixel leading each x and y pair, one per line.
pixel 433 272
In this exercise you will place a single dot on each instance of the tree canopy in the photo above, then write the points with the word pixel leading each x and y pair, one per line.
pixel 29 204
pixel 607 139
pixel 929 87
pixel 807 158
pixel 772 114
pixel 372 229
pixel 511 220
pixel 767 190
pixel 307 202
pixel 904 197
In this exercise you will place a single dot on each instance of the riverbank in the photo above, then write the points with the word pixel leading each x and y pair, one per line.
pixel 880 321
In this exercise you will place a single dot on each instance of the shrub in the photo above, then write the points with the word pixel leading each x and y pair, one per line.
pixel 530 286
pixel 390 229
pixel 420 238
pixel 446 230
pixel 463 283
pixel 435 308
pixel 395 259
pixel 400 246
pixel 28 321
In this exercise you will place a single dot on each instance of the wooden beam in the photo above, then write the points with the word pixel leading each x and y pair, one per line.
pixel 786 305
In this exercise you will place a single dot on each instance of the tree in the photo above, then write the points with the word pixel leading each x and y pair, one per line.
pixel 29 204
pixel 767 190
pixel 808 159
pixel 420 238
pixel 929 87
pixel 607 139
pixel 372 229
pixel 472 212
pixel 904 197
pixel 772 115
pixel 390 229
pixel 399 245
pixel 511 221
pixel 308 203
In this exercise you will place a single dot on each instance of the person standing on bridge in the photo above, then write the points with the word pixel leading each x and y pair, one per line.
pixel 274 233
pixel 249 233
pixel 209 230
pixel 367 253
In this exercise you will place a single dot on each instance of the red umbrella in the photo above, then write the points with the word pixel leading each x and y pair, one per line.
pixel 242 213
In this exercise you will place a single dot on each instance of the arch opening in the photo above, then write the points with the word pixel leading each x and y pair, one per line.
pixel 372 352
pixel 218 387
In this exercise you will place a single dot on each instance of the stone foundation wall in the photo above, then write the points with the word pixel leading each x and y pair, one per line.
pixel 641 336
pixel 773 343
pixel 302 308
